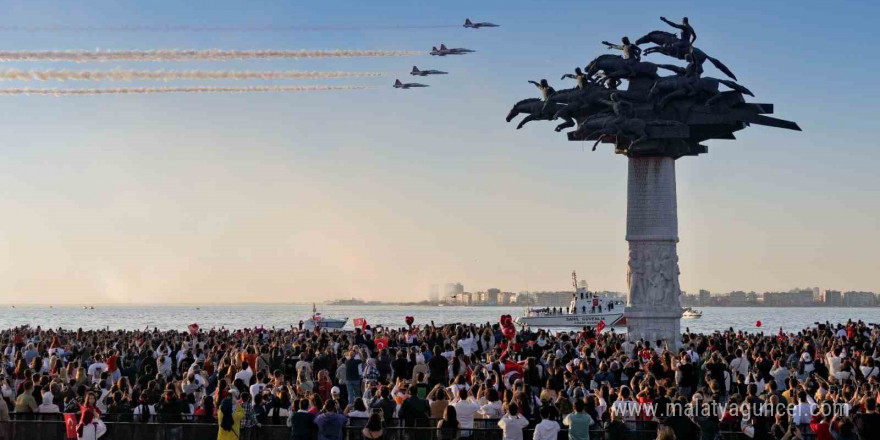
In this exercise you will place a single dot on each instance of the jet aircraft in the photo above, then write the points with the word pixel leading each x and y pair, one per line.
pixel 469 24
pixel 400 85
pixel 417 72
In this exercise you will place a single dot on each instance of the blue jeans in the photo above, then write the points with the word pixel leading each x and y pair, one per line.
pixel 354 390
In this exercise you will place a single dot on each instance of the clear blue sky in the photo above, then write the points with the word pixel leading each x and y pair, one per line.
pixel 380 193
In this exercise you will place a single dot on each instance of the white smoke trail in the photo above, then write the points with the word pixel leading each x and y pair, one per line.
pixel 169 75
pixel 149 90
pixel 216 28
pixel 83 56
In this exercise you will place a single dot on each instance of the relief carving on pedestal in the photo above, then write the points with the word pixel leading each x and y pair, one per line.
pixel 652 275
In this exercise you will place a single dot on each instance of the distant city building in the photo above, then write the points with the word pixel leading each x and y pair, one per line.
pixel 752 298
pixel 525 299
pixel 452 289
pixel 705 297
pixel 832 298
pixel 507 298
pixel 802 298
pixel 466 298
pixel 434 293
pixel 859 299
pixel 553 299
pixel 737 299
pixel 492 297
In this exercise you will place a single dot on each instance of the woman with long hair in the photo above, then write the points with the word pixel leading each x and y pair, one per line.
pixel 374 430
pixel 229 418
pixel 280 407
pixel 205 411
pixel 447 427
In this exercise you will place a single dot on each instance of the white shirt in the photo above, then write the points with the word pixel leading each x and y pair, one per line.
pixel 492 410
pixel 546 430
pixel 740 365
pixel 465 410
pixel 803 412
pixel 869 371
pixel 245 375
pixel 96 369
pixel 833 363
pixel 257 388
pixel 512 426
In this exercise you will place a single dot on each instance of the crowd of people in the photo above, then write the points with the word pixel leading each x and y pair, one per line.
pixel 822 382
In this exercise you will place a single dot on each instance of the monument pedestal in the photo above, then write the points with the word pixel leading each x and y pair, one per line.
pixel 653 308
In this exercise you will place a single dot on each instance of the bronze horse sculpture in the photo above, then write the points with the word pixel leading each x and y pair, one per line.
pixel 669 44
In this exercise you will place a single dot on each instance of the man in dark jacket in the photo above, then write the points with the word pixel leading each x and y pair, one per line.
pixel 414 411
pixel 437 367
pixel 681 424
pixel 301 422
pixel 385 403
pixel 868 423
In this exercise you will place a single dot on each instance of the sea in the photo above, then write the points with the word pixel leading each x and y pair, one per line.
pixel 178 317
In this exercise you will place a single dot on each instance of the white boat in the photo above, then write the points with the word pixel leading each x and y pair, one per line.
pixel 585 309
pixel 689 313
pixel 321 321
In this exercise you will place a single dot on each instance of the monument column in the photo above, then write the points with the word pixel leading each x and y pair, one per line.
pixel 653 308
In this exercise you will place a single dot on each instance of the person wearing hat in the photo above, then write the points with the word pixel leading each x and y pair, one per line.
pixel 336 395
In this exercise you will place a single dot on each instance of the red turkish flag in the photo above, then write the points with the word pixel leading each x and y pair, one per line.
pixel 360 323
pixel 600 326
pixel 70 425
pixel 381 343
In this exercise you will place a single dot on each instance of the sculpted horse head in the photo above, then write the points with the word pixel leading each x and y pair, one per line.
pixel 602 62
pixel 520 107
pixel 658 37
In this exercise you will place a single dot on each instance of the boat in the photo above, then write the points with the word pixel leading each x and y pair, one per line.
pixel 689 313
pixel 586 309
pixel 317 320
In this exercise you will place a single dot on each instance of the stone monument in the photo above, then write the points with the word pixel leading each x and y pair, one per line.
pixel 655 121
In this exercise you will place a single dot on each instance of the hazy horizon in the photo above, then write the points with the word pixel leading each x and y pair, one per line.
pixel 378 194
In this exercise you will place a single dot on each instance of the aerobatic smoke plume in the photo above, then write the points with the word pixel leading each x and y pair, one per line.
pixel 170 75
pixel 83 56
pixel 150 90
pixel 217 28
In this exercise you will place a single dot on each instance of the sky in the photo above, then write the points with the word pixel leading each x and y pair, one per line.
pixel 377 194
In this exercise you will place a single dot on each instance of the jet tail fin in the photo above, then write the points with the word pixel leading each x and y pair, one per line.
pixel 467 21
pixel 443 47
pixel 397 82
pixel 415 69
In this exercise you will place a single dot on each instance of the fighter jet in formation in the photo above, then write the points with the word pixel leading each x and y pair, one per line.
pixel 443 51
pixel 469 24
pixel 417 72
pixel 400 85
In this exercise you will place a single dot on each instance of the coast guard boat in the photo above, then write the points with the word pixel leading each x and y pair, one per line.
pixel 689 313
pixel 318 320
pixel 586 308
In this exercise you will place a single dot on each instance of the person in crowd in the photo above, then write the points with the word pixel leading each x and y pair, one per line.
pixel 301 422
pixel 449 428
pixel 414 411
pixel 229 420
pixel 330 423
pixel 466 409
pixel 578 422
pixel 374 429
pixel 547 429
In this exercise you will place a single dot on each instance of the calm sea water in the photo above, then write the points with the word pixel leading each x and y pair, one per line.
pixel 280 315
